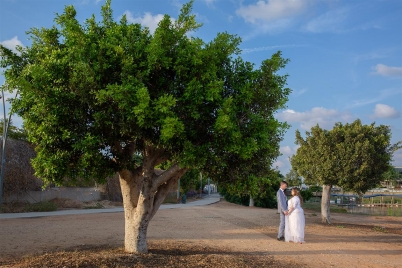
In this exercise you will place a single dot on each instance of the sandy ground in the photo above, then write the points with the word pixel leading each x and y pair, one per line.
pixel 352 240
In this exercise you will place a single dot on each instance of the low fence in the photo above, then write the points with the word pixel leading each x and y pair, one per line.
pixel 368 199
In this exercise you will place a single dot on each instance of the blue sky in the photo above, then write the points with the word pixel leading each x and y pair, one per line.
pixel 345 55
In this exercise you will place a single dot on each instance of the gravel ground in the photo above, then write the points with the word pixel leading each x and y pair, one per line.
pixel 218 235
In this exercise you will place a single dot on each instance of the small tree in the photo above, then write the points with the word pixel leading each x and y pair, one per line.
pixel 391 176
pixel 110 97
pixel 353 156
pixel 293 178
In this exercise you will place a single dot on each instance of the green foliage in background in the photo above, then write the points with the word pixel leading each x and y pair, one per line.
pixel 262 190
pixel 13 131
pixel 353 156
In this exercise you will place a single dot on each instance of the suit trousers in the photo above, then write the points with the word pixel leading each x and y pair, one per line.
pixel 281 230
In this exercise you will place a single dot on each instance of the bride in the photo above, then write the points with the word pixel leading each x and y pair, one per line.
pixel 295 221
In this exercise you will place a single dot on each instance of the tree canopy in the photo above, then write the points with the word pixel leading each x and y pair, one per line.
pixel 92 93
pixel 106 97
pixel 353 156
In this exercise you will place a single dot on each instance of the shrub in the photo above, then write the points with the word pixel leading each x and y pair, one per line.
pixel 306 194
pixel 268 201
pixel 191 193
pixel 41 207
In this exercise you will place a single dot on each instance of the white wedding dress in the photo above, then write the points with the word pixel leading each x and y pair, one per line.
pixel 295 221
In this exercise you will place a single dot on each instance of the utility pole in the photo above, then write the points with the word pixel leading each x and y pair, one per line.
pixel 6 124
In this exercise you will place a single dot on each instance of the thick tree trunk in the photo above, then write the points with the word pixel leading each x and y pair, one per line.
pixel 325 203
pixel 135 224
pixel 144 190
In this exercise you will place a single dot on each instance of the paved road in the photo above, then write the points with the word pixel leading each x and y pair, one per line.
pixel 206 200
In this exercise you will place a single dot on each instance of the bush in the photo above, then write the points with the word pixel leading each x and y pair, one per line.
pixel 41 207
pixel 306 194
pixel 269 201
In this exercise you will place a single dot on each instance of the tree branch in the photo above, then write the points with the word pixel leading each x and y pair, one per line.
pixel 164 189
pixel 165 176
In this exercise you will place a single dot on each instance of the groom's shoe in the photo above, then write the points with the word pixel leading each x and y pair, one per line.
pixel 281 238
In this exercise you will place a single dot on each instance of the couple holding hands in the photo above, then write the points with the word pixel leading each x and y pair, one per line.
pixel 292 221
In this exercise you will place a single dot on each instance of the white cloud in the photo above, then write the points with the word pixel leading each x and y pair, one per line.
pixel 147 20
pixel 288 151
pixel 278 164
pixel 272 10
pixel 326 118
pixel 12 43
pixel 330 21
pixel 385 70
pixel 385 111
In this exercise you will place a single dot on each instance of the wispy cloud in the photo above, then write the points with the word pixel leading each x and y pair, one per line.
pixel 384 70
pixel 383 111
pixel 370 56
pixel 12 43
pixel 384 94
pixel 326 118
pixel 257 49
pixel 300 92
pixel 210 3
pixel 331 21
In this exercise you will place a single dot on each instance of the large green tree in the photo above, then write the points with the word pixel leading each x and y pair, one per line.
pixel 106 97
pixel 352 156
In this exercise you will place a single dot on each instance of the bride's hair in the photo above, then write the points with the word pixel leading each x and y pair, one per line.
pixel 296 191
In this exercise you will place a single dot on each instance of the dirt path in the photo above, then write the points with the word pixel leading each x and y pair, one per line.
pixel 352 240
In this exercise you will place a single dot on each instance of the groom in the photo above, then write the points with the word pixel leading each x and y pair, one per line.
pixel 282 209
